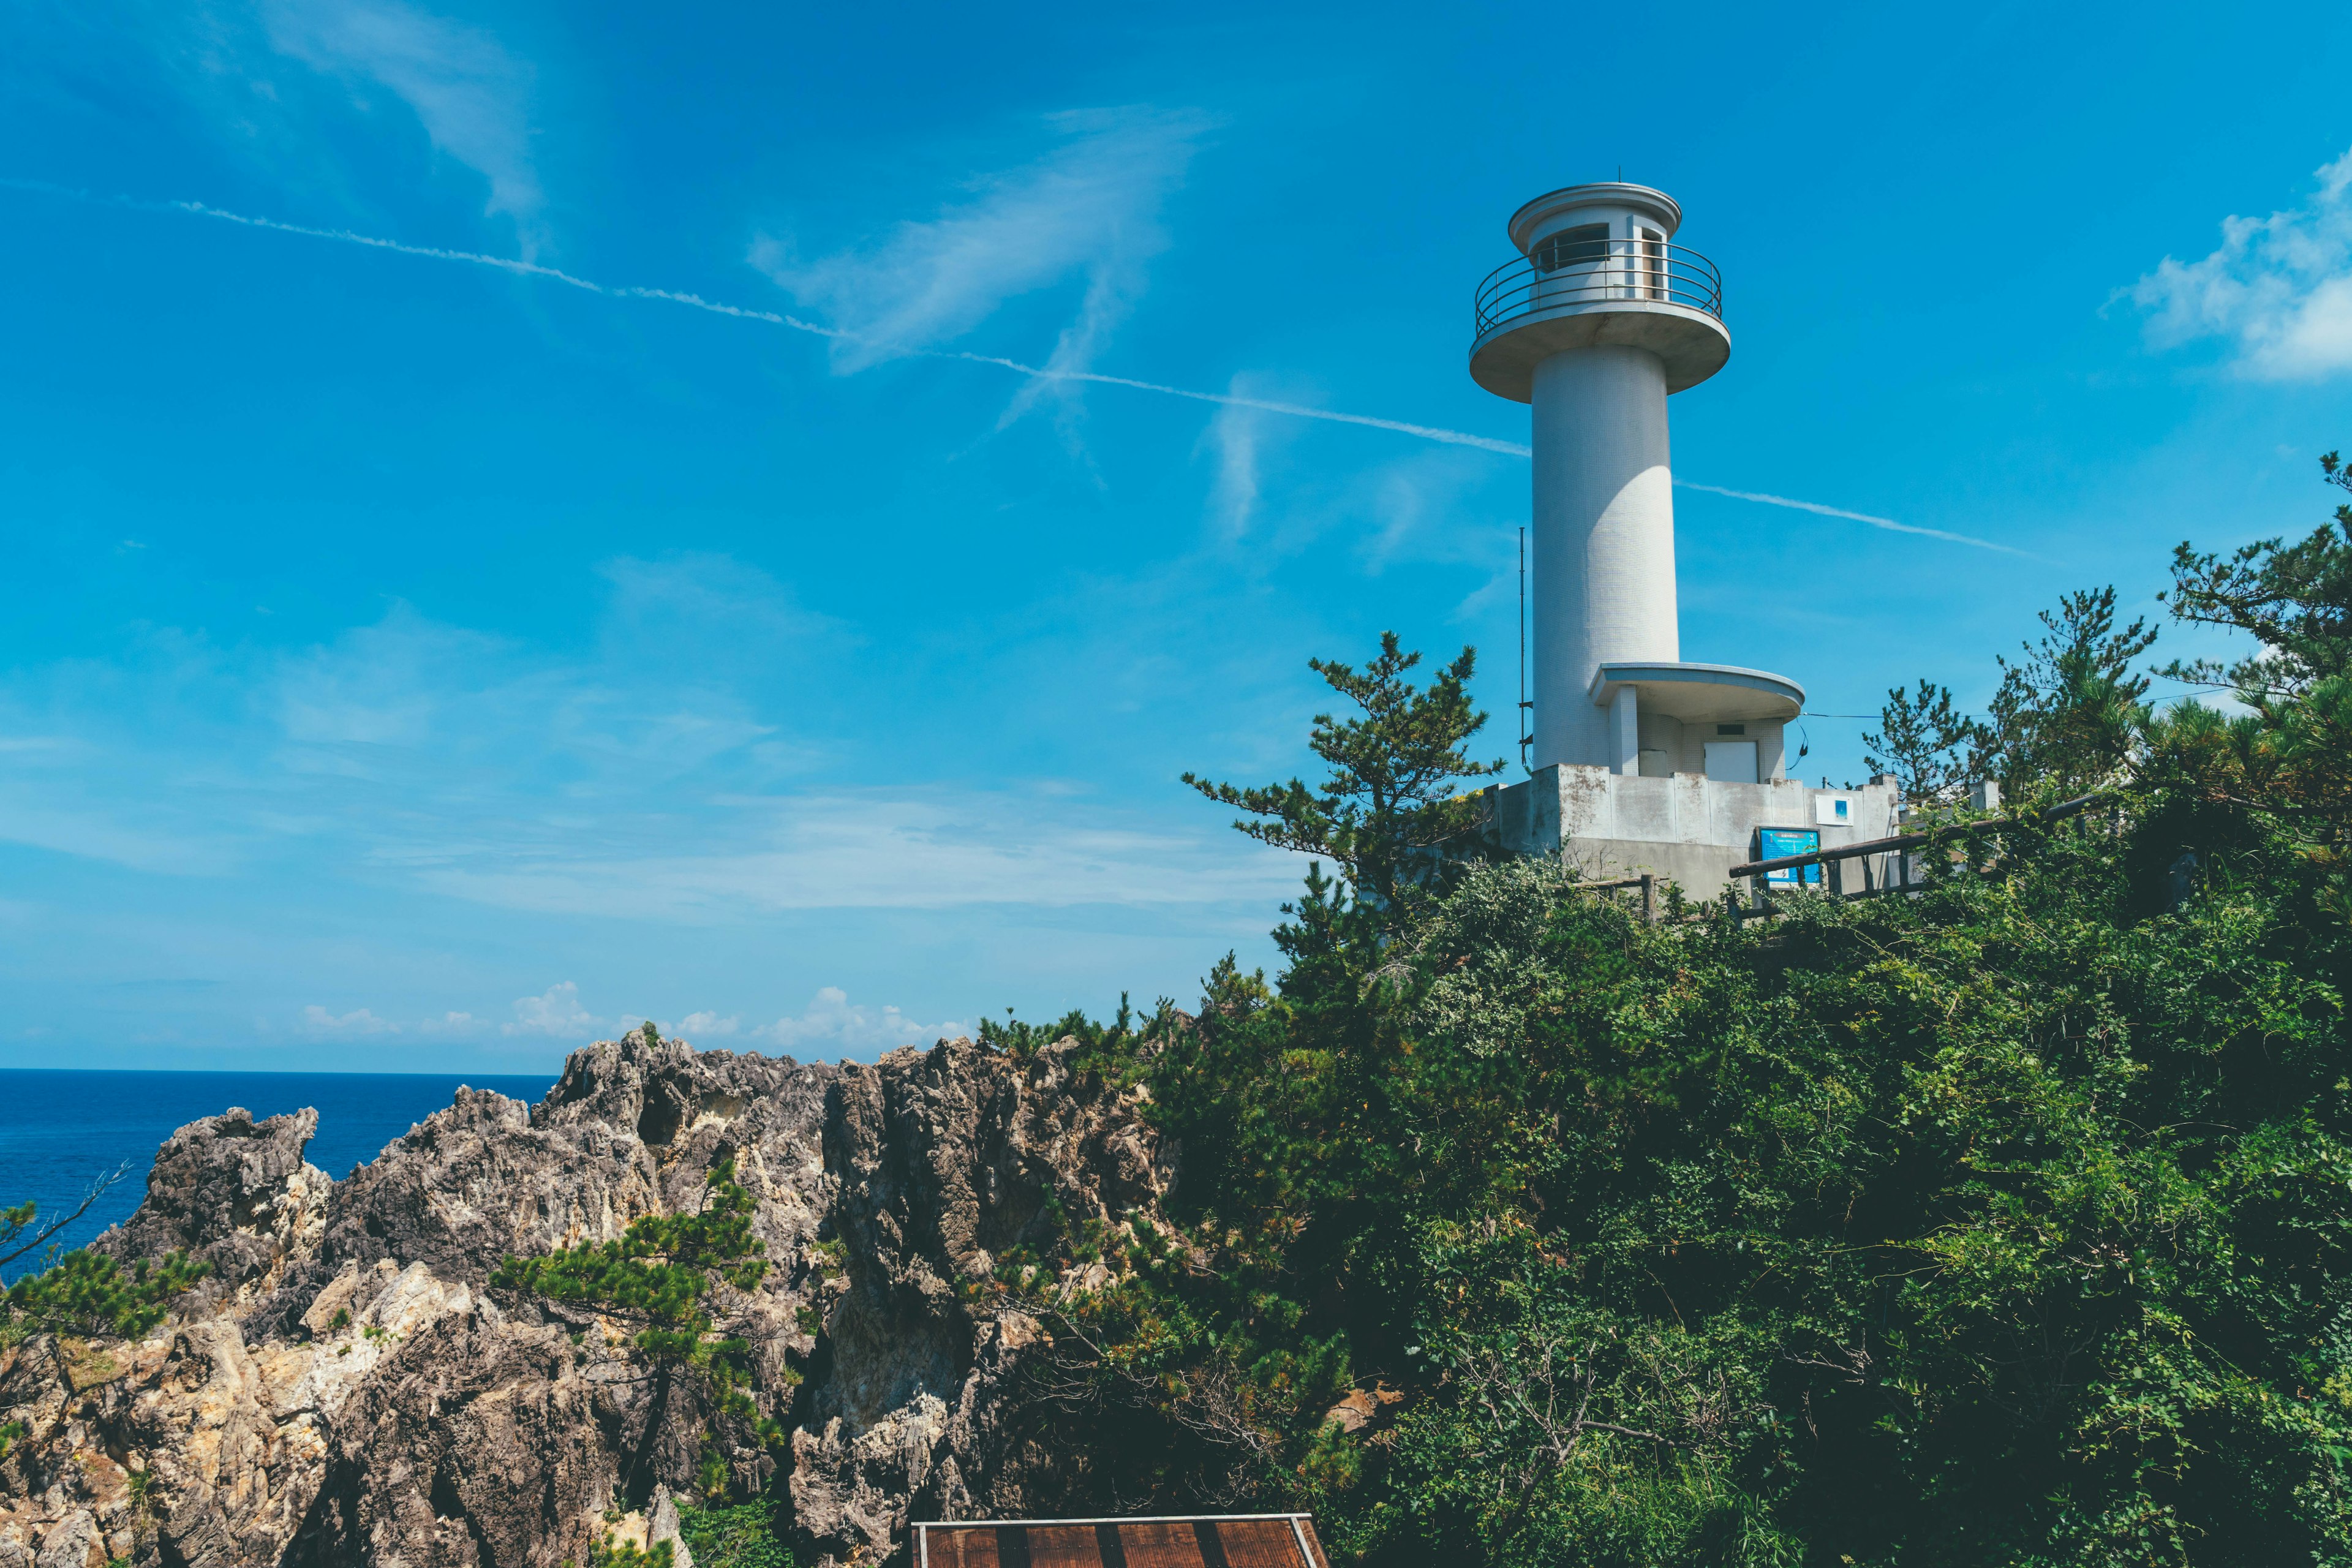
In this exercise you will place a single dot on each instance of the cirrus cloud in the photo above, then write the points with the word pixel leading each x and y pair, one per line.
pixel 471 94
pixel 1087 210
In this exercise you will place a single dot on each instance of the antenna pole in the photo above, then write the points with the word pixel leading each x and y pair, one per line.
pixel 1524 738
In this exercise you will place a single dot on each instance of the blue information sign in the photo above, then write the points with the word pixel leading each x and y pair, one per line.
pixel 1775 843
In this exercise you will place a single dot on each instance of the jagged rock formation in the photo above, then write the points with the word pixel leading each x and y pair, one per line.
pixel 347 1388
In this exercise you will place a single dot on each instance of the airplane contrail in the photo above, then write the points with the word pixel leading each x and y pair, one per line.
pixel 1039 373
pixel 1304 411
pixel 1886 522
pixel 774 317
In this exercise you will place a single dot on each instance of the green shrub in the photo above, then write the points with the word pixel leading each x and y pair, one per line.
pixel 668 1274
pixel 613 1552
pixel 89 1295
pixel 743 1536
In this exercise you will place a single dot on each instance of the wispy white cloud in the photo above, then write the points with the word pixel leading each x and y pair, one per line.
pixel 667 774
pixel 378 687
pixel 556 1012
pixel 1086 211
pixel 941 848
pixel 707 606
pixel 1414 505
pixel 1279 508
pixel 472 96
pixel 317 1020
pixel 831 1022
pixel 42 812
pixel 1408 506
pixel 1237 437
pixel 2279 287
pixel 361 1023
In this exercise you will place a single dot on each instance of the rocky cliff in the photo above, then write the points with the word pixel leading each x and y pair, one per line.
pixel 346 1387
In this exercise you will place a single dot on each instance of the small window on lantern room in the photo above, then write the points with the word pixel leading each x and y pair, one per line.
pixel 1579 246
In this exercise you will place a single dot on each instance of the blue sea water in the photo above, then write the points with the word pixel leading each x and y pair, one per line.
pixel 60 1130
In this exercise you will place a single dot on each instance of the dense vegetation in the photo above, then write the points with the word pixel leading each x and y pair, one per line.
pixel 2009 1224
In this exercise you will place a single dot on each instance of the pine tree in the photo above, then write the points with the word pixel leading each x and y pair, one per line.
pixel 1389 801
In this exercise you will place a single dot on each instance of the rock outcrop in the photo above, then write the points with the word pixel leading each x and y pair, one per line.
pixel 234 1194
pixel 346 1386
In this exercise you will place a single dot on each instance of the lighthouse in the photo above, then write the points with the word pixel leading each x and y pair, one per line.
pixel 1640 760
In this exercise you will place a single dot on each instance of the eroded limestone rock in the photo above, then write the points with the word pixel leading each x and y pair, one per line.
pixel 346 1388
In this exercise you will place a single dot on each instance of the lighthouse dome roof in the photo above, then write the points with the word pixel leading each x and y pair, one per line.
pixel 1554 208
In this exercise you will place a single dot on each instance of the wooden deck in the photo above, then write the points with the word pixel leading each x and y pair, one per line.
pixel 1228 1540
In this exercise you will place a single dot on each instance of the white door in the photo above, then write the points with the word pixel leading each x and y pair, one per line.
pixel 1731 762
pixel 1647 264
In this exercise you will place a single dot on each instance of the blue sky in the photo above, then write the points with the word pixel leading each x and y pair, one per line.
pixel 421 662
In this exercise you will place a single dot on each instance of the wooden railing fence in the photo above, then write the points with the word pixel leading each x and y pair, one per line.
pixel 1886 864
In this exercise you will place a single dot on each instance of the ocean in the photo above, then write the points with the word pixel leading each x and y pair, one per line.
pixel 60 1130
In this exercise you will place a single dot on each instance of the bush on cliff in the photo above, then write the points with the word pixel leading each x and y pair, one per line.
pixel 2009 1224
pixel 86 1294
pixel 82 1293
pixel 673 1275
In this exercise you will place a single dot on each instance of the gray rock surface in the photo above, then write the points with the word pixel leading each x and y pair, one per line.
pixel 347 1388
pixel 232 1193
pixel 662 1525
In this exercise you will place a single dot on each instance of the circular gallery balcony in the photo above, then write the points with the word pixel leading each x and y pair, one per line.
pixel 1588 293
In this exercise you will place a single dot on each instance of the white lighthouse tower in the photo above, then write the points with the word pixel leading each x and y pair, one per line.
pixel 1599 319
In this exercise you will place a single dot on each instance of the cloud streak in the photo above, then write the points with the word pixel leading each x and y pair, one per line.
pixel 774 317
pixel 862 344
pixel 2279 287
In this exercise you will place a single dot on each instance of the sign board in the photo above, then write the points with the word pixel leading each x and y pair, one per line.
pixel 1774 843
pixel 1833 810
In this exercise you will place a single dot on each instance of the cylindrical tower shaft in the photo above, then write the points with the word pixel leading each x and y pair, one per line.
pixel 1601 318
pixel 1603 545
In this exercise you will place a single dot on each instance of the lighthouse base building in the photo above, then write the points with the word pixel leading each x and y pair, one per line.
pixel 1685 828
pixel 1642 762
